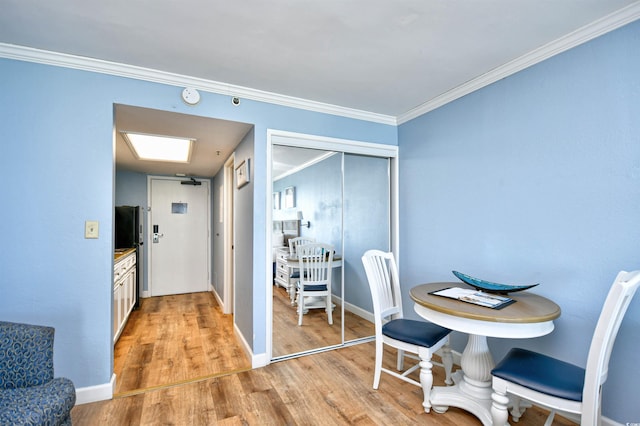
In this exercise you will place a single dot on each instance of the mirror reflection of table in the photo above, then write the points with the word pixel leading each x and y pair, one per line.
pixel 530 316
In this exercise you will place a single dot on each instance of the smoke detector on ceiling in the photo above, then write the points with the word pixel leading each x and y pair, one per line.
pixel 190 96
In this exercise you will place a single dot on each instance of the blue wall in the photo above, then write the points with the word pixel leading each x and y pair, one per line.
pixel 318 195
pixel 246 270
pixel 533 179
pixel 536 178
pixel 57 157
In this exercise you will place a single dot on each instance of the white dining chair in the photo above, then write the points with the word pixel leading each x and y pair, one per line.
pixel 314 286
pixel 573 391
pixel 294 273
pixel 298 241
pixel 409 337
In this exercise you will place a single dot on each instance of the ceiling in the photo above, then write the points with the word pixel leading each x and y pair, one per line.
pixel 375 56
pixel 215 140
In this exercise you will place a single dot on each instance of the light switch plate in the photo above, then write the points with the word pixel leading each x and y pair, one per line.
pixel 91 229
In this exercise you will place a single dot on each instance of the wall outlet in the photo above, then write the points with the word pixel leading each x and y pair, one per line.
pixel 91 229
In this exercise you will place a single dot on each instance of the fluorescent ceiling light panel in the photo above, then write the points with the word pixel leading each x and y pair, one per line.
pixel 159 148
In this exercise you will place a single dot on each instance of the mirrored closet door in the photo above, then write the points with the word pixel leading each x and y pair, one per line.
pixel 337 198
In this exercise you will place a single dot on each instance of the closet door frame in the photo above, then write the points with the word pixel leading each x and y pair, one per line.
pixel 300 140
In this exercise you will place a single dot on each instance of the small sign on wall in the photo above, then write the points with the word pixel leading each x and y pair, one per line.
pixel 179 208
pixel 242 174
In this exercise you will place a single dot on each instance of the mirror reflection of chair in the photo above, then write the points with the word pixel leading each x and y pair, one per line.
pixel 416 337
pixel 298 241
pixel 294 273
pixel 566 388
pixel 314 286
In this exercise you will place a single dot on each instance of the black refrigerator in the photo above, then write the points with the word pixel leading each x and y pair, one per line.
pixel 129 232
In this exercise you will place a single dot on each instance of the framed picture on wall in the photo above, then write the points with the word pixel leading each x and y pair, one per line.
pixel 289 197
pixel 242 174
pixel 276 200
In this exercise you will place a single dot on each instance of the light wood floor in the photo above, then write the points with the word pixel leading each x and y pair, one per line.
pixel 328 388
pixel 315 331
pixel 172 339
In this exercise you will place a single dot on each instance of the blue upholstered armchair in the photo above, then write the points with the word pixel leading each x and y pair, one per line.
pixel 29 394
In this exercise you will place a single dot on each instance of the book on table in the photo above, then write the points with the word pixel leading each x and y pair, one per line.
pixel 476 297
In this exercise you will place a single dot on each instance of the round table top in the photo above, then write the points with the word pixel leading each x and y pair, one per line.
pixel 529 307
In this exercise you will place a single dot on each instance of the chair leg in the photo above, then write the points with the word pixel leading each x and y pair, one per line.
pixel 426 377
pixel 292 293
pixel 329 310
pixel 447 361
pixel 300 307
pixel 549 421
pixel 400 360
pixel 378 363
pixel 499 413
pixel 516 410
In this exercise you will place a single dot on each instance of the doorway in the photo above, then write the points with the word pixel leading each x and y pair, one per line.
pixel 215 141
pixel 179 218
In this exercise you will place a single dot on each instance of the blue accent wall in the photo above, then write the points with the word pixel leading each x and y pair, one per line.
pixel 536 178
pixel 318 195
pixel 57 157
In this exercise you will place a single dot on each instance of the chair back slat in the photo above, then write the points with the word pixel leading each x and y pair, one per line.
pixel 316 261
pixel 382 275
pixel 298 241
pixel 613 311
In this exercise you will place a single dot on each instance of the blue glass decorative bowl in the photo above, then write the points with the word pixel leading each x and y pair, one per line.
pixel 490 287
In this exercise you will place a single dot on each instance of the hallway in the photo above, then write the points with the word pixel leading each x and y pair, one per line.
pixel 176 339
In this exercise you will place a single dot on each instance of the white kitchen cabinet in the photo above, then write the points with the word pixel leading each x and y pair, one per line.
pixel 124 284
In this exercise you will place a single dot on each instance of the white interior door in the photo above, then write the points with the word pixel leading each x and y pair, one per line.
pixel 179 243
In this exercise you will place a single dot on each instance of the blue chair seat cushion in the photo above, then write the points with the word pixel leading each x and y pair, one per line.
pixel 48 404
pixel 542 373
pixel 418 333
pixel 313 287
pixel 296 274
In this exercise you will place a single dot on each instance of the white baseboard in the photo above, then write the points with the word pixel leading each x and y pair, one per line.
pixel 257 361
pixel 356 310
pixel 96 393
pixel 216 295
pixel 608 422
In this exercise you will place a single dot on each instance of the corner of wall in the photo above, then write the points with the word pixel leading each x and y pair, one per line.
pixel 96 393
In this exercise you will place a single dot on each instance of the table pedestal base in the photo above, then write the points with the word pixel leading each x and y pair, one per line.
pixel 472 389
pixel 457 396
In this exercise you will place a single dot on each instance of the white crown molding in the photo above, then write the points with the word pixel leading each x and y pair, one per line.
pixel 582 35
pixel 28 54
pixel 597 28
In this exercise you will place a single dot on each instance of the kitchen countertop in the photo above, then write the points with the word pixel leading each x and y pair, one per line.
pixel 120 253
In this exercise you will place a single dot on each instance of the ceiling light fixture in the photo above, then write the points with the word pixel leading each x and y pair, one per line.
pixel 159 148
